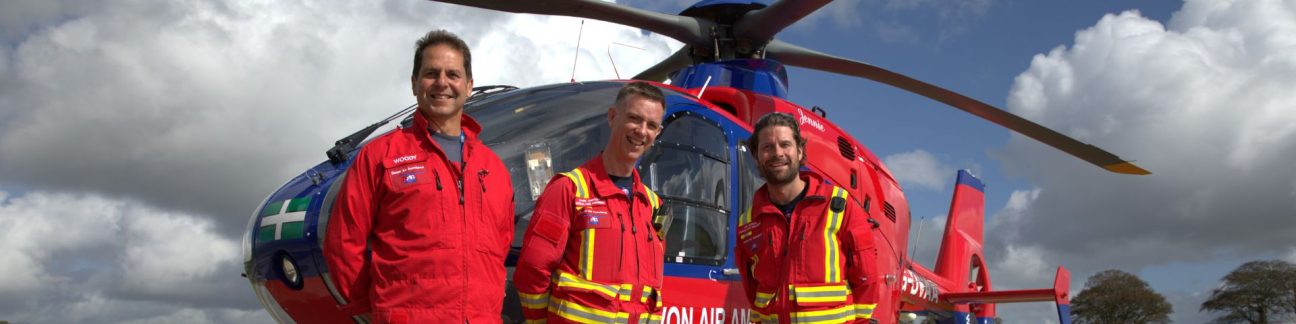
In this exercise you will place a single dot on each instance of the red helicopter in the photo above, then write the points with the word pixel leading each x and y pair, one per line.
pixel 729 73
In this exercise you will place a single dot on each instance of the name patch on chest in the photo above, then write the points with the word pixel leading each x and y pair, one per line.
pixel 589 202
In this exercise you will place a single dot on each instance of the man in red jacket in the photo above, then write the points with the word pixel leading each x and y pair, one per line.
pixel 805 248
pixel 430 202
pixel 591 254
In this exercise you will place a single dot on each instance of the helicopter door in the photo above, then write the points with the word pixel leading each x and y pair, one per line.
pixel 691 168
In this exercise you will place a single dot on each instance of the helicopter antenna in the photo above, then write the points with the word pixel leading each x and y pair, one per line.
pixel 577 56
pixel 922 222
pixel 609 53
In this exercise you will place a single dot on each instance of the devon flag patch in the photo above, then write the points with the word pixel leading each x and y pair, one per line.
pixel 282 220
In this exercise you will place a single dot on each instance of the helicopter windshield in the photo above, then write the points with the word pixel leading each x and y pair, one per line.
pixel 689 168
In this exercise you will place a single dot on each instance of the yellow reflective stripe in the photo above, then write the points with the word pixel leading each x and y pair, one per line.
pixel 762 318
pixel 587 255
pixel 832 247
pixel 864 311
pixel 568 280
pixel 762 299
pixel 827 316
pixel 643 298
pixel 652 197
pixel 745 218
pixel 646 318
pixel 534 301
pixel 625 291
pixel 820 294
pixel 576 179
pixel 583 314
pixel 582 184
pixel 587 245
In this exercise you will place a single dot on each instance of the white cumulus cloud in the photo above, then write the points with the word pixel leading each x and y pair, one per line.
pixel 1203 101
pixel 920 169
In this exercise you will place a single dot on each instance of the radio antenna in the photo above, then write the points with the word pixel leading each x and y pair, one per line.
pixel 578 41
pixel 609 53
pixel 922 223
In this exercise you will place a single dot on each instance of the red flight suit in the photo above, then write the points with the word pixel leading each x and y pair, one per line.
pixel 589 255
pixel 819 266
pixel 439 231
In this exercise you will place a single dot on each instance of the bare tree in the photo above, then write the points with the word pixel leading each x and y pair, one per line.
pixel 1115 296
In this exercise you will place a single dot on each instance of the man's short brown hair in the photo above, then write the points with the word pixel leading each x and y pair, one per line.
pixel 442 37
pixel 642 89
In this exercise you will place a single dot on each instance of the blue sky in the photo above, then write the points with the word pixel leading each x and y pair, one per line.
pixel 136 132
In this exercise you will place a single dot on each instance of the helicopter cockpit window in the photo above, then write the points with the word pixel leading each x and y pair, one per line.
pixel 540 132
pixel 750 178
pixel 688 167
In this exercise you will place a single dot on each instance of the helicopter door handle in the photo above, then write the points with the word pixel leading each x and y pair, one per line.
pixel 723 274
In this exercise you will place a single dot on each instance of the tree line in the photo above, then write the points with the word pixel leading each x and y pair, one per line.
pixel 1256 292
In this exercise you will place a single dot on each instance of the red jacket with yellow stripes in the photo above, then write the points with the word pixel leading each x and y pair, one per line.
pixel 817 266
pixel 590 255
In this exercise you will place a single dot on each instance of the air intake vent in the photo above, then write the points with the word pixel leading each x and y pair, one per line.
pixel 847 150
pixel 889 211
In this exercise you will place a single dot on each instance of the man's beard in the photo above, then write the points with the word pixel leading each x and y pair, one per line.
pixel 781 178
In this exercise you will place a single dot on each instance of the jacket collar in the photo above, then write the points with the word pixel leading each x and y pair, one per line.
pixel 467 125
pixel 603 185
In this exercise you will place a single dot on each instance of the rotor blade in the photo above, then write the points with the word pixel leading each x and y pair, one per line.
pixel 797 56
pixel 684 29
pixel 763 24
pixel 662 70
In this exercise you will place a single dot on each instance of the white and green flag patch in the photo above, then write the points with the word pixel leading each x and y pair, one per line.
pixel 283 220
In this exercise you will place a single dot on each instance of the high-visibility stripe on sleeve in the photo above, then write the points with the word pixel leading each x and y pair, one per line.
pixel 584 314
pixel 864 311
pixel 757 316
pixel 745 218
pixel 534 301
pixel 762 299
pixel 569 280
pixel 832 246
